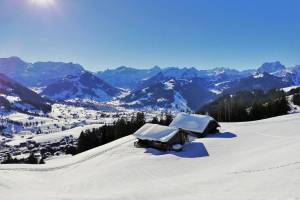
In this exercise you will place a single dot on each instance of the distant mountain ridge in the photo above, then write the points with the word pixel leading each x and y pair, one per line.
pixel 37 74
pixel 201 87
pixel 190 89
pixel 126 77
pixel 260 81
pixel 130 78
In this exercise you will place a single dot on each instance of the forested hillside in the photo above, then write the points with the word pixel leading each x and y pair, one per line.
pixel 249 105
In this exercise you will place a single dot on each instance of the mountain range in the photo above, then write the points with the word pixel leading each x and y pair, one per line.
pixel 172 87
pixel 37 74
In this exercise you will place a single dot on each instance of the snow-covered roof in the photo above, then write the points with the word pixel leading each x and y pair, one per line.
pixel 155 132
pixel 191 122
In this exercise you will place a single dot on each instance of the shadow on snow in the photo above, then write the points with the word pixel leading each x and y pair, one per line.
pixel 190 150
pixel 222 135
pixel 193 149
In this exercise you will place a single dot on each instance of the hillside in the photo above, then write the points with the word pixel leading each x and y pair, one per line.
pixel 263 81
pixel 253 160
pixel 14 96
pixel 172 94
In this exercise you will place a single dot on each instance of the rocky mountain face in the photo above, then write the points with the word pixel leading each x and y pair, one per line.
pixel 126 77
pixel 271 67
pixel 37 74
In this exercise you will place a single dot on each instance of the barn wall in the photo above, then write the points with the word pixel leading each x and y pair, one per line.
pixel 179 138
pixel 211 127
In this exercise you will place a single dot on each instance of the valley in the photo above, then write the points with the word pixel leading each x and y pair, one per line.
pixel 36 114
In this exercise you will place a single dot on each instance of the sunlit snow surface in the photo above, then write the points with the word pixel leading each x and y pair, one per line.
pixel 250 160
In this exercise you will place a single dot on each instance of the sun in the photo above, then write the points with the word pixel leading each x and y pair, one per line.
pixel 43 3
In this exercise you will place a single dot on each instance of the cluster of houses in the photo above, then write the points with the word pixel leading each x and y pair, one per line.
pixel 43 150
pixel 174 136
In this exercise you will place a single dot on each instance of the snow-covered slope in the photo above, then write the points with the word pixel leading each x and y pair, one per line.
pixel 251 160
pixel 175 94
pixel 259 81
pixel 14 96
pixel 53 137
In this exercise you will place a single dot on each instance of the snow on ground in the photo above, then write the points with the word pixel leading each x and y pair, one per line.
pixel 294 108
pixel 37 89
pixel 53 137
pixel 57 159
pixel 179 102
pixel 258 75
pixel 169 85
pixel 216 91
pixel 287 89
pixel 23 118
pixel 60 118
pixel 221 83
pixel 249 160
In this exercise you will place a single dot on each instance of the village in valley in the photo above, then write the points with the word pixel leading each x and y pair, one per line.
pixel 52 134
pixel 55 134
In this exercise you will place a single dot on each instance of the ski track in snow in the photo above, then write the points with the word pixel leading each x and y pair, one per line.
pixel 267 169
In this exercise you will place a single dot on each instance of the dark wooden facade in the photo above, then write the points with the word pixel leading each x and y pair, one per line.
pixel 179 138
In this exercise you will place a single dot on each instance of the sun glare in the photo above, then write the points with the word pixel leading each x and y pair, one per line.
pixel 44 3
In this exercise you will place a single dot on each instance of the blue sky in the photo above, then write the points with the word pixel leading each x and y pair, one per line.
pixel 102 34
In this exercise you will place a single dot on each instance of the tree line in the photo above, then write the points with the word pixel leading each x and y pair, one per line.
pixel 30 160
pixel 295 93
pixel 122 127
pixel 248 106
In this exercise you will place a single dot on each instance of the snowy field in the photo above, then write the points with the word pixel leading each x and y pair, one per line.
pixel 53 137
pixel 249 160
pixel 62 117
